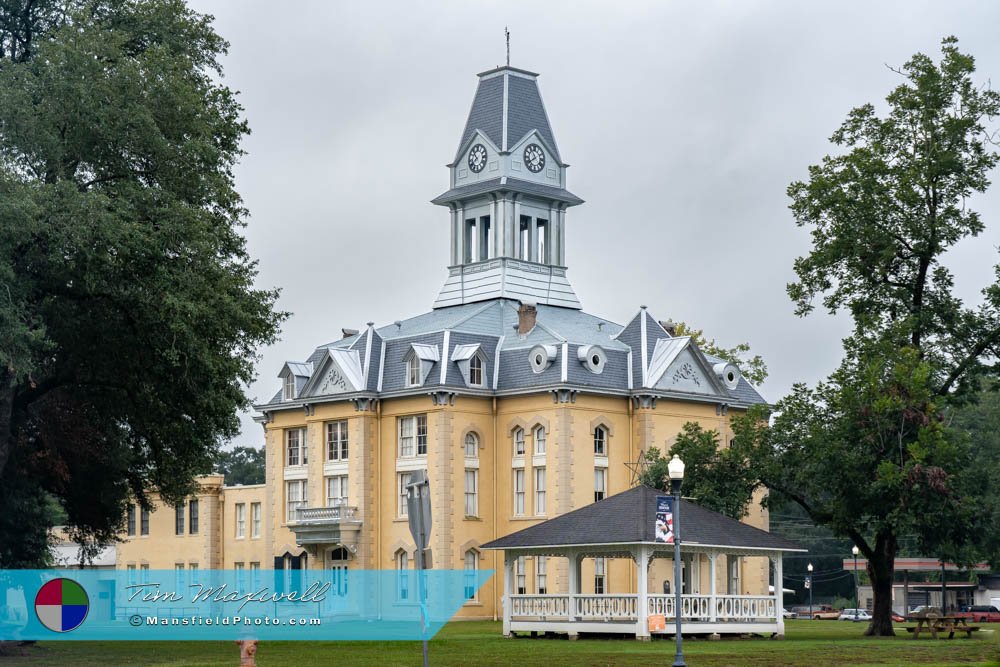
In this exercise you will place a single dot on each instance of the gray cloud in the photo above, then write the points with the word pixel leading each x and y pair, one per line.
pixel 684 123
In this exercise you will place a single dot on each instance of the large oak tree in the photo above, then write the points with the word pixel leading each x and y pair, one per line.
pixel 129 319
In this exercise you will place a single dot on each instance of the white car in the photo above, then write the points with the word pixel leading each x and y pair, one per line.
pixel 855 615
pixel 788 614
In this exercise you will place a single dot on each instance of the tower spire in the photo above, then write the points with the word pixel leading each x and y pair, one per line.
pixel 507 35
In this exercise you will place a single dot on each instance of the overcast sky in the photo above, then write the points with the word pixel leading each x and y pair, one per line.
pixel 684 124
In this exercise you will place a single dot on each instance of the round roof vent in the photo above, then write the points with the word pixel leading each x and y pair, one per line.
pixel 541 357
pixel 592 357
pixel 728 373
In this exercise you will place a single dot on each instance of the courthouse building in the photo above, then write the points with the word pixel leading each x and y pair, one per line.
pixel 519 404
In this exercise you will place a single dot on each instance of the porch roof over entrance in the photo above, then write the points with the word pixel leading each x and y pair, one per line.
pixel 629 518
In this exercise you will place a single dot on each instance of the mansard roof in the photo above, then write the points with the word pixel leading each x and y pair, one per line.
pixel 630 518
pixel 507 106
pixel 506 184
pixel 373 361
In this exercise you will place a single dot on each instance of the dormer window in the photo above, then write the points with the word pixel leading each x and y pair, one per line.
pixel 413 378
pixel 476 371
pixel 289 390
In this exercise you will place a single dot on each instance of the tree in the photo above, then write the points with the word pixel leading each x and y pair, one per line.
pixel 242 465
pixel 866 452
pixel 129 320
pixel 716 478
pixel 753 367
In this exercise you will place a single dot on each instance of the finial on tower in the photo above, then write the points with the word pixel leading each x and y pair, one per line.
pixel 507 35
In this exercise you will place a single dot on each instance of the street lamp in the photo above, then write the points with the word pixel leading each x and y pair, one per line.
pixel 675 470
pixel 809 585
pixel 855 550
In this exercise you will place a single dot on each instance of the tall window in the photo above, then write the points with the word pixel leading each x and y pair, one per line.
pixel 476 371
pixel 130 520
pixel 255 520
pixel 403 481
pixel 289 387
pixel 471 567
pixel 179 519
pixel 525 238
pixel 541 578
pixel 295 447
pixel 144 522
pixel 519 442
pixel 193 517
pixel 600 566
pixel 402 575
pixel 412 436
pixel 413 378
pixel 241 520
pixel 600 483
pixel 733 566
pixel 471 493
pixel 471 248
pixel 600 441
pixel 336 490
pixel 295 497
pixel 254 573
pixel 539 490
pixel 543 241
pixel 471 446
pixel 539 439
pixel 519 492
pixel 484 237
pixel 179 576
pixel 336 441
pixel 520 576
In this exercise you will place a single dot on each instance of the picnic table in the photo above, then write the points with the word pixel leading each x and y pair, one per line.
pixel 934 624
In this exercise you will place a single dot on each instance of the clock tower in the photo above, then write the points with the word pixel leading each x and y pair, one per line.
pixel 507 199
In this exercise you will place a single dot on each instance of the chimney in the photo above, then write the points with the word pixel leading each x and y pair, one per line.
pixel 669 327
pixel 349 332
pixel 526 316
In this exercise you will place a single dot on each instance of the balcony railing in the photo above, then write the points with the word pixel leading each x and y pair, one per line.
pixel 333 514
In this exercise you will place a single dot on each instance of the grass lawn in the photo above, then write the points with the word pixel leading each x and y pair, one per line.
pixel 807 643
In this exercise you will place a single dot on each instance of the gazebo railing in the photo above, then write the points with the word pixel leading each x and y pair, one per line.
pixel 611 607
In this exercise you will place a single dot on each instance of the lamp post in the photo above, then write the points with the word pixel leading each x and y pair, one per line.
pixel 855 551
pixel 675 470
pixel 809 581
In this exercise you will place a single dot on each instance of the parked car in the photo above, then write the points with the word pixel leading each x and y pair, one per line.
pixel 981 613
pixel 924 610
pixel 825 613
pixel 854 615
pixel 788 614
pixel 897 618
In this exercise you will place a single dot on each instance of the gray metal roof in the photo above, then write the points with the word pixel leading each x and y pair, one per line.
pixel 508 185
pixel 524 108
pixel 629 518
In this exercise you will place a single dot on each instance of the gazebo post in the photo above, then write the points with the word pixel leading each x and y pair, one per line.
pixel 574 589
pixel 712 606
pixel 779 594
pixel 641 555
pixel 508 588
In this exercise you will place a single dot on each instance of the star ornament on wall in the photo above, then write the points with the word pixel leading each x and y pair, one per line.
pixel 637 469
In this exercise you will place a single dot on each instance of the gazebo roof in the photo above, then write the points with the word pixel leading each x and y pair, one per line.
pixel 629 518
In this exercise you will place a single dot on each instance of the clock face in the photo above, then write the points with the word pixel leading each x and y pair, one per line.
pixel 534 157
pixel 477 158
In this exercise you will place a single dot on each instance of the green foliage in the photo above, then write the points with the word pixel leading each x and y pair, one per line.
pixel 129 320
pixel 753 367
pixel 242 465
pixel 867 452
pixel 715 478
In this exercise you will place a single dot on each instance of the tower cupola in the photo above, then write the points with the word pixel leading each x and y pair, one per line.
pixel 507 199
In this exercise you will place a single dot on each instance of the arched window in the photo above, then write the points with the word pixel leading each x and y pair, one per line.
pixel 413 378
pixel 471 568
pixel 471 445
pixel 519 442
pixel 476 371
pixel 402 575
pixel 539 439
pixel 600 441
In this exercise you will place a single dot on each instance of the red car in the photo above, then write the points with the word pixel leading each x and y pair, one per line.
pixel 982 613
pixel 897 618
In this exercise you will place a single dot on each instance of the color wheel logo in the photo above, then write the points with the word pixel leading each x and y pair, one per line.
pixel 61 605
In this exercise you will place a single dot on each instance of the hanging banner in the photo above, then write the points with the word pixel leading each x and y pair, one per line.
pixel 664 529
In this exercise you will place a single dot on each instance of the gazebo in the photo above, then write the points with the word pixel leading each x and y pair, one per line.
pixel 623 526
